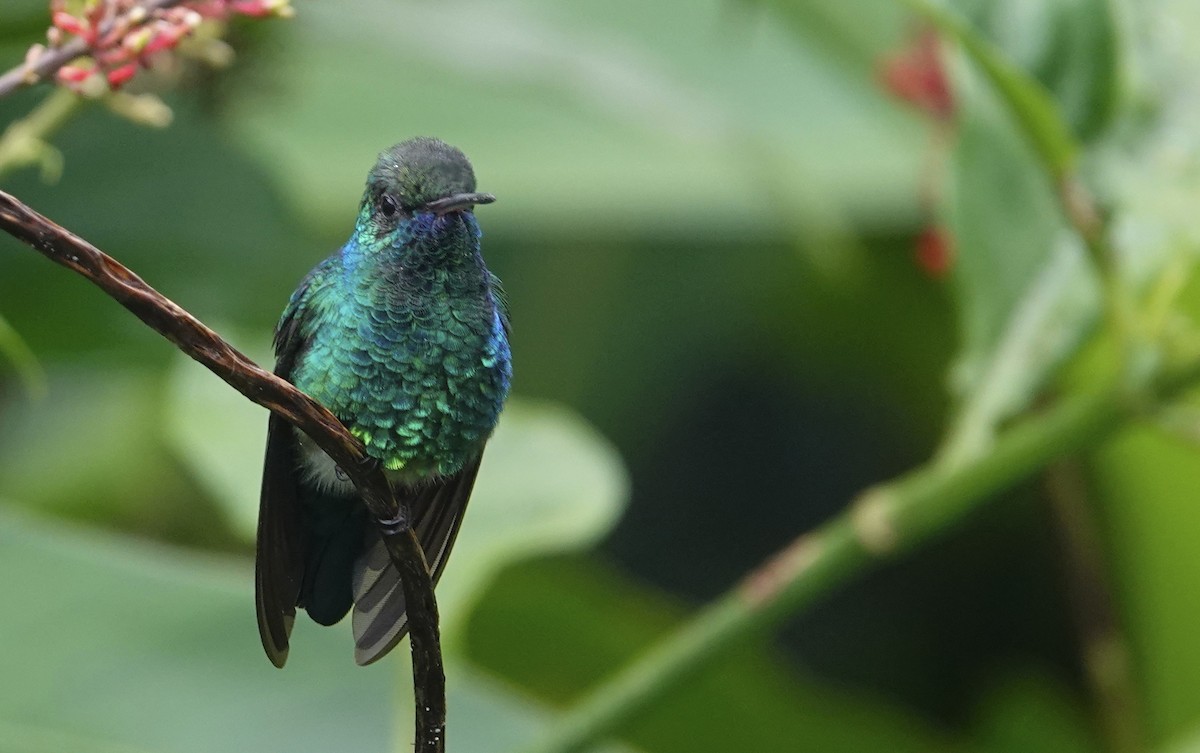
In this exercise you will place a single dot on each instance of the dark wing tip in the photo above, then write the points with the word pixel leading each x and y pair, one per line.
pixel 274 623
pixel 278 563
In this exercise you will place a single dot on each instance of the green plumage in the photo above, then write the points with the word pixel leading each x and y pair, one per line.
pixel 402 334
pixel 406 354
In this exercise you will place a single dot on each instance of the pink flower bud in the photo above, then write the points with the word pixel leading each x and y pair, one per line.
pixel 74 74
pixel 72 25
pixel 112 57
pixel 164 40
pixel 117 77
pixel 257 8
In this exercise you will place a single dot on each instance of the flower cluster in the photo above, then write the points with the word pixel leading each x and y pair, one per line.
pixel 122 36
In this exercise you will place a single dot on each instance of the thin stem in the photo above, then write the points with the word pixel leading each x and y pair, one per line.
pixel 1105 650
pixel 264 388
pixel 878 525
pixel 1079 208
pixel 24 142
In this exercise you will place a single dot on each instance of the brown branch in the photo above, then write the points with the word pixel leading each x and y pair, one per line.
pixel 206 346
pixel 48 62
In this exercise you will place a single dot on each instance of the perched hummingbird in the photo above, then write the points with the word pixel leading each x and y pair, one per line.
pixel 403 335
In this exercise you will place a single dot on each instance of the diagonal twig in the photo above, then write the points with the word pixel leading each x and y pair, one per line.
pixel 204 345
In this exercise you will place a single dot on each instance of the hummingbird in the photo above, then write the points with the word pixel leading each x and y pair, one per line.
pixel 403 334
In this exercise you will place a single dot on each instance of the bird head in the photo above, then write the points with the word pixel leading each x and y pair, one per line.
pixel 421 176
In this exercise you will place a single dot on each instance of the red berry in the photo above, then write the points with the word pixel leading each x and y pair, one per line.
pixel 934 251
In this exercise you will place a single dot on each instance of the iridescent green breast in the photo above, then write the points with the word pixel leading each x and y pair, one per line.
pixel 418 373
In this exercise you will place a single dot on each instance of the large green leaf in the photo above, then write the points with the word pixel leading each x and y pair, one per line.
pixel 91 450
pixel 115 642
pixel 94 431
pixel 1074 48
pixel 1024 289
pixel 112 645
pixel 548 483
pixel 1031 107
pixel 218 434
pixel 1189 743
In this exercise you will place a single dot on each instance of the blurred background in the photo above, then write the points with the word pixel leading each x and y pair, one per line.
pixel 760 256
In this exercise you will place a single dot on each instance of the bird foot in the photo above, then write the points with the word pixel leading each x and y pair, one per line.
pixel 396 524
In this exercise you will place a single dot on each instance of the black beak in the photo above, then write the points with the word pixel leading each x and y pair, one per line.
pixel 457 202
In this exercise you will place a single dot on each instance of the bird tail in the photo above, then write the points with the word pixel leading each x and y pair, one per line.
pixel 437 507
pixel 380 621
pixel 335 541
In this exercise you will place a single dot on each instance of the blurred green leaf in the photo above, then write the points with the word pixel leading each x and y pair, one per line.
pixel 21 19
pixel 1146 483
pixel 1042 330
pixel 124 647
pixel 1027 294
pixel 1024 289
pixel 1073 47
pixel 92 451
pixel 857 32
pixel 22 359
pixel 219 435
pixel 1030 105
pixel 1149 171
pixel 650 116
pixel 1030 712
pixel 1189 743
pixel 96 430
pixel 128 644
pixel 548 482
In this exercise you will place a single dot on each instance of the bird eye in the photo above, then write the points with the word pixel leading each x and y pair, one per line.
pixel 388 206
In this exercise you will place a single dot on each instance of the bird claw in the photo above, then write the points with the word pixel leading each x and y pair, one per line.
pixel 396 524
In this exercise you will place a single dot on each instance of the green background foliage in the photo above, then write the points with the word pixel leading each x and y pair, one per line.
pixel 705 224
